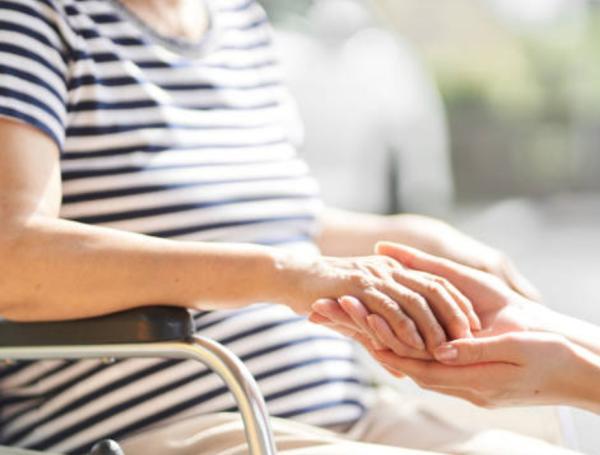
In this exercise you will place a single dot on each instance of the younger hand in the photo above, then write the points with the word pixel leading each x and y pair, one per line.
pixel 506 370
pixel 440 239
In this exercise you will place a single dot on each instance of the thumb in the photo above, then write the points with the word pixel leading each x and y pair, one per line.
pixel 506 348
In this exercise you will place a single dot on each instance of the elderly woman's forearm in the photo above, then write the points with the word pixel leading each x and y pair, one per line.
pixel 58 269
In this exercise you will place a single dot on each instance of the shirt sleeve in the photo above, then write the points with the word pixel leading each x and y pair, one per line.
pixel 33 66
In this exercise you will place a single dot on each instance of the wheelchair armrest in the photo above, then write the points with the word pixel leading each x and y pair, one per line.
pixel 140 325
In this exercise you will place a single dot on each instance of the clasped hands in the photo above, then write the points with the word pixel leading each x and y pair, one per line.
pixel 452 329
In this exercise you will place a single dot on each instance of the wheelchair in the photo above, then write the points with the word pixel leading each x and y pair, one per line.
pixel 158 331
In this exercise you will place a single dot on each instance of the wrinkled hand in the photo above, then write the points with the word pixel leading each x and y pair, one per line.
pixel 349 317
pixel 500 309
pixel 421 310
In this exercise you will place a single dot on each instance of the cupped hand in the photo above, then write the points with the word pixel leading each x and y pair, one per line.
pixel 505 370
pixel 421 311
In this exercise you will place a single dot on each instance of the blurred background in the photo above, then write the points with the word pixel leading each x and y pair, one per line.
pixel 485 113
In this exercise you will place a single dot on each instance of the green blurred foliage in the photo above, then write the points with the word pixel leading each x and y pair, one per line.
pixel 585 74
pixel 523 102
pixel 510 105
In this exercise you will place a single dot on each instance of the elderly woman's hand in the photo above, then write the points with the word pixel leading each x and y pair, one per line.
pixel 499 308
pixel 422 311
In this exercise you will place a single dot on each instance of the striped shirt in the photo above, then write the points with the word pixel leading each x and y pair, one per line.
pixel 180 140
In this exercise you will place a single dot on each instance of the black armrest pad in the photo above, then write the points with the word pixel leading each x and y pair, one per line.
pixel 141 325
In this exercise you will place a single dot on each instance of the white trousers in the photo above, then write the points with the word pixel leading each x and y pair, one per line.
pixel 392 426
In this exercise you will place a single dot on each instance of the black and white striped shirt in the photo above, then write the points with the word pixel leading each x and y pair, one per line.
pixel 172 139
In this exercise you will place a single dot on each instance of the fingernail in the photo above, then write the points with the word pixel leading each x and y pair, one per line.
pixel 446 352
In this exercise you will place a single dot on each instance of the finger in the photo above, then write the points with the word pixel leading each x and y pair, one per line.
pixel 341 329
pixel 433 374
pixel 382 267
pixel 421 313
pixel 393 372
pixel 318 318
pixel 403 326
pixel 388 338
pixel 507 348
pixel 366 341
pixel 445 308
pixel 358 314
pixel 379 336
pixel 463 302
pixel 332 310
pixel 406 302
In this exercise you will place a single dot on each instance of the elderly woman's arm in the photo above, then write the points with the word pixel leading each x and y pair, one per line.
pixel 58 269
pixel 54 268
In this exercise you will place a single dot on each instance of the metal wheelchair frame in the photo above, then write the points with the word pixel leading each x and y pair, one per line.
pixel 143 343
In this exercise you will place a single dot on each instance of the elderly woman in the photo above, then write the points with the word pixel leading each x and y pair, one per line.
pixel 139 140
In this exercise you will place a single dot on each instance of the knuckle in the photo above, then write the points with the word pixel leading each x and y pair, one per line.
pixel 433 288
pixel 441 281
pixel 359 279
pixel 398 274
pixel 415 300
pixel 388 261
pixel 405 325
pixel 389 306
